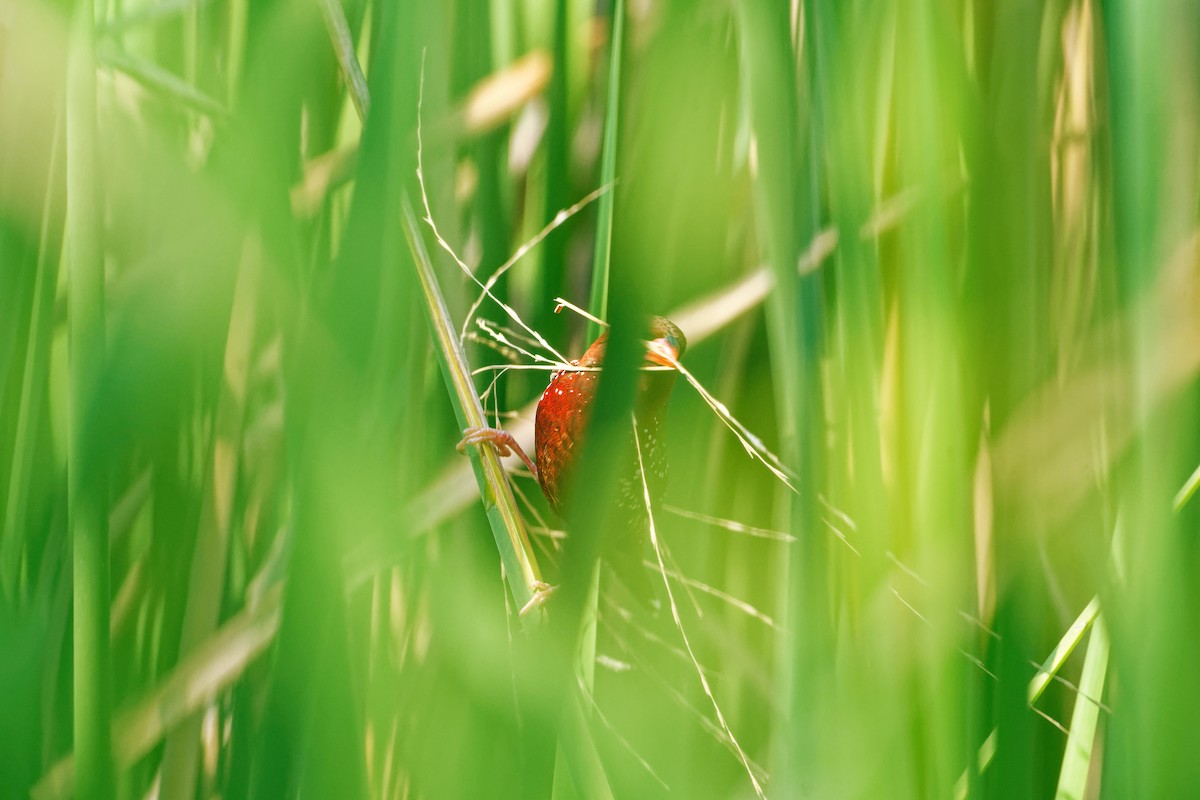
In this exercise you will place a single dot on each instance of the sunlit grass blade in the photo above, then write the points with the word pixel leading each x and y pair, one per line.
pixel 87 472
pixel 1070 640
pixel 1187 490
pixel 1077 758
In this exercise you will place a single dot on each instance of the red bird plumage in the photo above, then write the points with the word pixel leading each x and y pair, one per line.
pixel 560 428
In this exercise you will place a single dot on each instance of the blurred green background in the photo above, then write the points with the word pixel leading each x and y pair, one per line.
pixel 939 257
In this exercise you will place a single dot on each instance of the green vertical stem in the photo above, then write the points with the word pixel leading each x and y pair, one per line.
pixel 787 212
pixel 206 584
pixel 934 434
pixel 310 734
pixel 503 32
pixel 33 401
pixel 598 304
pixel 86 476
pixel 1153 76
pixel 1007 331
pixel 844 44
pixel 558 176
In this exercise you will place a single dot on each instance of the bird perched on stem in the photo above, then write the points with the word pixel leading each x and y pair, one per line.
pixel 561 425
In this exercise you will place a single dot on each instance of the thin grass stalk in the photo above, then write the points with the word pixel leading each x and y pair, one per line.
pixel 503 31
pixel 508 527
pixel 489 148
pixel 86 477
pixel 674 607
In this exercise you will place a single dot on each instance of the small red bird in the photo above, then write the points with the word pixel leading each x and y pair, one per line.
pixel 560 428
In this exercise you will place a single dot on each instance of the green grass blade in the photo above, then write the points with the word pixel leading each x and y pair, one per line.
pixel 206 582
pixel 598 303
pixel 172 88
pixel 785 192
pixel 1062 651
pixel 1077 758
pixel 87 479
pixel 508 527
pixel 196 681
pixel 1186 491
pixel 557 174
pixel 343 47
pixel 14 535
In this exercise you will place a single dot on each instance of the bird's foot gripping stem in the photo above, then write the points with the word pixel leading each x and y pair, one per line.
pixel 503 442
pixel 541 593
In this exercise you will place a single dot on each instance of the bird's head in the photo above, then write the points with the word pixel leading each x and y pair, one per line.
pixel 663 339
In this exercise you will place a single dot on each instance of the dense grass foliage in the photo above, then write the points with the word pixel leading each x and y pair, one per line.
pixel 930 527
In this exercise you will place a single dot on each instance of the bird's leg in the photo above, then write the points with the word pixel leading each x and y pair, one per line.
pixel 503 442
pixel 541 593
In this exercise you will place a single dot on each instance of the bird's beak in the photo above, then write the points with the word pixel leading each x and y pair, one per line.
pixel 661 352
